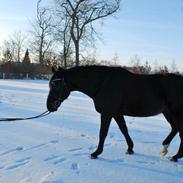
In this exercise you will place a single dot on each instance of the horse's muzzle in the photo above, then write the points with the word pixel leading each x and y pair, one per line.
pixel 53 106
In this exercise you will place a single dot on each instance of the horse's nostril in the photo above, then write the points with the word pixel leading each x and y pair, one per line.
pixel 50 108
pixel 57 103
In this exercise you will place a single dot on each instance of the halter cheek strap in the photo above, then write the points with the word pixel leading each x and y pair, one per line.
pixel 58 79
pixel 64 84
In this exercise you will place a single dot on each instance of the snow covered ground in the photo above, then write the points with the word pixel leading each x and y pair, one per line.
pixel 56 148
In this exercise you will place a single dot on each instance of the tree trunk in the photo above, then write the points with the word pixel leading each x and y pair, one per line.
pixel 41 49
pixel 18 56
pixel 77 52
pixel 65 57
pixel 40 56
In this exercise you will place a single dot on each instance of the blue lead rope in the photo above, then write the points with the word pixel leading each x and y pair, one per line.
pixel 19 119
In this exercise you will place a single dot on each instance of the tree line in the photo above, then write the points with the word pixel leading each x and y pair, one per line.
pixel 59 35
pixel 26 69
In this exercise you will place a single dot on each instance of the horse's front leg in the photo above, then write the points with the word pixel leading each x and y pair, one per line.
pixel 180 151
pixel 122 125
pixel 105 123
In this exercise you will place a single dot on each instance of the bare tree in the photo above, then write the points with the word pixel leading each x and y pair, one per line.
pixel 147 68
pixel 62 35
pixel 17 39
pixel 82 14
pixel 174 68
pixel 156 67
pixel 115 58
pixel 7 51
pixel 7 56
pixel 15 45
pixel 135 61
pixel 42 29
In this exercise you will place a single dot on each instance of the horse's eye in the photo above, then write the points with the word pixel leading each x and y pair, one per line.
pixel 53 84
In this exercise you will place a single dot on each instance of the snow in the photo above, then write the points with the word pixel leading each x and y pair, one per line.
pixel 56 148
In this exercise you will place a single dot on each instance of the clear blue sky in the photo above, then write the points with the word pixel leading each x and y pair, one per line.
pixel 152 29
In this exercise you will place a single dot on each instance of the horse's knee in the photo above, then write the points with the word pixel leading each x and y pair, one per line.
pixel 169 138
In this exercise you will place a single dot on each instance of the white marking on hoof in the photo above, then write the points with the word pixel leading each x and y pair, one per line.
pixel 164 150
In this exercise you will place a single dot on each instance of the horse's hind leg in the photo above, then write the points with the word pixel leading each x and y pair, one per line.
pixel 180 151
pixel 122 125
pixel 169 138
pixel 167 141
pixel 105 122
pixel 171 135
pixel 178 127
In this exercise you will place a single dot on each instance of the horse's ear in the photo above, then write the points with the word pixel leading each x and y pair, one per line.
pixel 53 69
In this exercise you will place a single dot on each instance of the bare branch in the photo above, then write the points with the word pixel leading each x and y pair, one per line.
pixel 42 29
pixel 82 14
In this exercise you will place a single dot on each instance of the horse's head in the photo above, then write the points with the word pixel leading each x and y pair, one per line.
pixel 59 90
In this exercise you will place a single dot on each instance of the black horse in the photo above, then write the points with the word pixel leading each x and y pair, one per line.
pixel 117 92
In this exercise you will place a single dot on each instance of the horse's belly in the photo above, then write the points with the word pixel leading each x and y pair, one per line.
pixel 142 109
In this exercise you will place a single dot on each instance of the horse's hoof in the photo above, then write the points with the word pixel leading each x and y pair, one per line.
pixel 173 159
pixel 93 156
pixel 129 152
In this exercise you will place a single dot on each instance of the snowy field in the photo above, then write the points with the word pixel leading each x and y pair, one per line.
pixel 56 148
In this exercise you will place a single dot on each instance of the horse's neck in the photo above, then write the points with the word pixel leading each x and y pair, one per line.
pixel 84 82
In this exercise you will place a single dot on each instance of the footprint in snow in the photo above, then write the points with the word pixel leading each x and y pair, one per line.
pixel 80 154
pixel 19 163
pixel 75 167
pixel 111 135
pixel 142 162
pixel 75 153
pixel 76 149
pixel 83 135
pixel 23 160
pixel 17 149
pixel 35 147
pixel 52 157
pixel 61 160
pixel 54 141
pixel 42 145
pixel 54 181
pixel 57 159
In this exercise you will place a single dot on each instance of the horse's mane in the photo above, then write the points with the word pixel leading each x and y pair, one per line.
pixel 104 68
pixel 98 67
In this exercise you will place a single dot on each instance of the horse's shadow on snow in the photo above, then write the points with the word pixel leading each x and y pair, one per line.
pixel 148 163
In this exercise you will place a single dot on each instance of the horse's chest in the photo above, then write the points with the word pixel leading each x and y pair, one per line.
pixel 107 105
